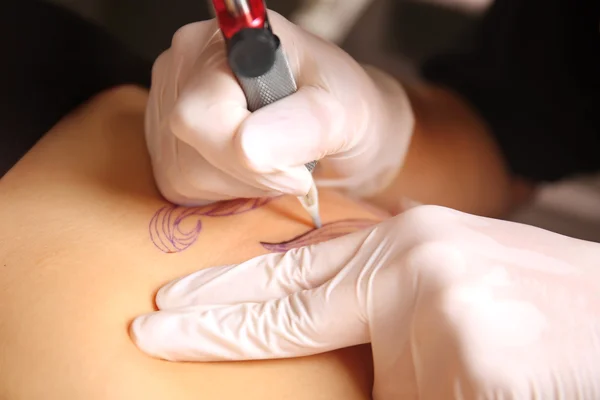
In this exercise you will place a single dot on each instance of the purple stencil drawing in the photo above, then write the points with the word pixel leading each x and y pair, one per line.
pixel 167 232
pixel 174 229
pixel 326 232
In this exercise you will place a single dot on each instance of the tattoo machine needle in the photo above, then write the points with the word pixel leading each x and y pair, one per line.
pixel 257 60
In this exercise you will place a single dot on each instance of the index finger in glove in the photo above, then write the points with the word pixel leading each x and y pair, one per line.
pixel 304 323
pixel 266 277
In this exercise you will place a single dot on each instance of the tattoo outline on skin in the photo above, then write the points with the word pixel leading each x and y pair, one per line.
pixel 169 236
pixel 328 231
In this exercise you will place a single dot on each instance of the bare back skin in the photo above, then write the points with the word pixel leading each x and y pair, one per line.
pixel 85 242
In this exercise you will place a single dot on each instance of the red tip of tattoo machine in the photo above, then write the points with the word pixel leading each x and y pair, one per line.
pixel 233 16
pixel 255 56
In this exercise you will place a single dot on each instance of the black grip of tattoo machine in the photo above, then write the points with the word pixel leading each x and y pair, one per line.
pixel 258 62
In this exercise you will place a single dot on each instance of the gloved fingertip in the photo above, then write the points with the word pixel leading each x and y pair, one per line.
pixel 163 300
pixel 148 333
pixel 186 291
pixel 304 179
pixel 176 293
pixel 295 181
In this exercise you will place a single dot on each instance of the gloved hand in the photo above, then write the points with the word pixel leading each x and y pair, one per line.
pixel 455 306
pixel 205 146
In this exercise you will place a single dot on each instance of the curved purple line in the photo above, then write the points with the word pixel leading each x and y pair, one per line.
pixel 168 235
pixel 166 231
pixel 158 225
pixel 328 231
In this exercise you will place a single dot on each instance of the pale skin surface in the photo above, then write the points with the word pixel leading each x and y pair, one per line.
pixel 77 265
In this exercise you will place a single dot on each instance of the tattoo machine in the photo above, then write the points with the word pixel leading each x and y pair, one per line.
pixel 257 60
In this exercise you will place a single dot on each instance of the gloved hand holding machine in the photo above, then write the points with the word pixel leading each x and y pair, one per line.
pixel 260 65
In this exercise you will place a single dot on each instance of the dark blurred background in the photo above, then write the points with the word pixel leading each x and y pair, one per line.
pixel 424 27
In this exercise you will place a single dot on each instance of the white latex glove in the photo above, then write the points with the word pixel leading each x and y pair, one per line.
pixel 455 306
pixel 206 146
